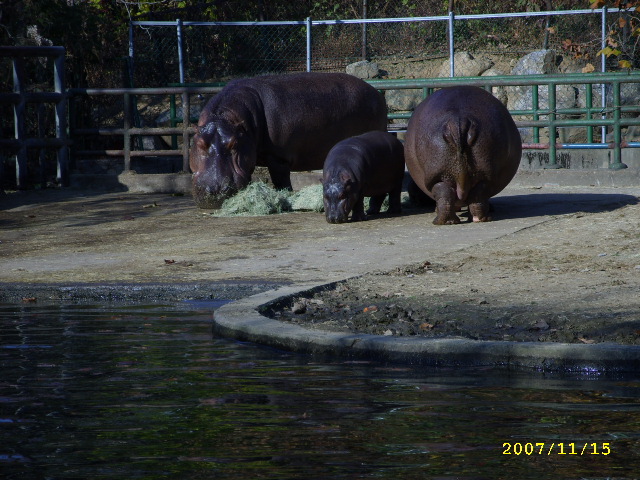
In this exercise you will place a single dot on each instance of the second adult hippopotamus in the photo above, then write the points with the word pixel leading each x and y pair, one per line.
pixel 462 147
pixel 368 165
pixel 282 122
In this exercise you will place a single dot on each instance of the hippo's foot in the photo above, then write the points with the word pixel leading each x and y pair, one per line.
pixel 451 219
pixel 357 213
pixel 394 210
pixel 480 211
pixel 358 217
pixel 446 204
pixel 395 202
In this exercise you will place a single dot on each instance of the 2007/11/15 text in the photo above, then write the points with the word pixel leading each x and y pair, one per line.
pixel 541 448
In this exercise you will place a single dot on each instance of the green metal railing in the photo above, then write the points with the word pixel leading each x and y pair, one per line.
pixel 591 116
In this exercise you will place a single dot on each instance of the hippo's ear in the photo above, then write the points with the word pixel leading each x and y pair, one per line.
pixel 201 143
pixel 345 179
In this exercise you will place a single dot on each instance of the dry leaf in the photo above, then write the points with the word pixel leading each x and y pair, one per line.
pixel 588 68
pixel 370 309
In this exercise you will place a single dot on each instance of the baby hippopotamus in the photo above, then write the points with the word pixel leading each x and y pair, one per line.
pixel 368 165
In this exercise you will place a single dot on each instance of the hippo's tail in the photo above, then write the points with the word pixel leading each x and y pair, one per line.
pixel 461 133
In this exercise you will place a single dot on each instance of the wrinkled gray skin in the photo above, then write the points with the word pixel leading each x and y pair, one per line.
pixel 369 165
pixel 282 122
pixel 462 147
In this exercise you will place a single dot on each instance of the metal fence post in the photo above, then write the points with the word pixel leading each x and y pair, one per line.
pixel 131 54
pixel 18 119
pixel 364 30
pixel 61 121
pixel 186 123
pixel 603 67
pixel 309 24
pixel 180 50
pixel 553 161
pixel 127 133
pixel 617 134
pixel 451 48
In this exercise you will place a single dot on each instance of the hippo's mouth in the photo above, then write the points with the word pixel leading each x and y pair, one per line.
pixel 208 200
pixel 336 219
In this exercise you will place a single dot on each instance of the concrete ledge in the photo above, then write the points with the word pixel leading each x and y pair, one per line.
pixel 134 182
pixel 181 182
pixel 602 177
pixel 243 321
pixel 156 182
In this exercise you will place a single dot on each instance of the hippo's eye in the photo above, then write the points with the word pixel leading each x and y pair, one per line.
pixel 231 144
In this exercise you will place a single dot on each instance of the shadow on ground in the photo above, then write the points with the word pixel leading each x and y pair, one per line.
pixel 538 205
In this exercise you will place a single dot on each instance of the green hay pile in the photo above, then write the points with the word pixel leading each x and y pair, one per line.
pixel 257 199
pixel 308 199
pixel 260 198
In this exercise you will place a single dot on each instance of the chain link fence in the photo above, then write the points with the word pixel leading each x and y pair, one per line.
pixel 218 51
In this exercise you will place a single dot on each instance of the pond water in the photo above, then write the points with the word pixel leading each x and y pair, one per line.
pixel 147 392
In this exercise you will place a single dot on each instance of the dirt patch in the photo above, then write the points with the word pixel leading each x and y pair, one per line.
pixel 556 265
pixel 573 279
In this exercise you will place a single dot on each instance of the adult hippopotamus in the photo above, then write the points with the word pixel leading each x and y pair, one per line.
pixel 369 165
pixel 283 122
pixel 462 147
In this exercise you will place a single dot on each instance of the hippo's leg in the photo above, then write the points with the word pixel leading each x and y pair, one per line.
pixel 280 173
pixel 357 214
pixel 375 203
pixel 445 197
pixel 395 202
pixel 479 206
pixel 480 211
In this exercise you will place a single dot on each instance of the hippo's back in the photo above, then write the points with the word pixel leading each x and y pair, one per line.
pixel 308 113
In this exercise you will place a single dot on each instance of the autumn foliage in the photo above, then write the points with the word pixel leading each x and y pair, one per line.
pixel 624 33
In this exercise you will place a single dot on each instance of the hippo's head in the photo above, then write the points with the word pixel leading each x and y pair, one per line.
pixel 222 159
pixel 339 197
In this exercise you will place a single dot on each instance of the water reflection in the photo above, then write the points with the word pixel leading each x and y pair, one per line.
pixel 147 392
